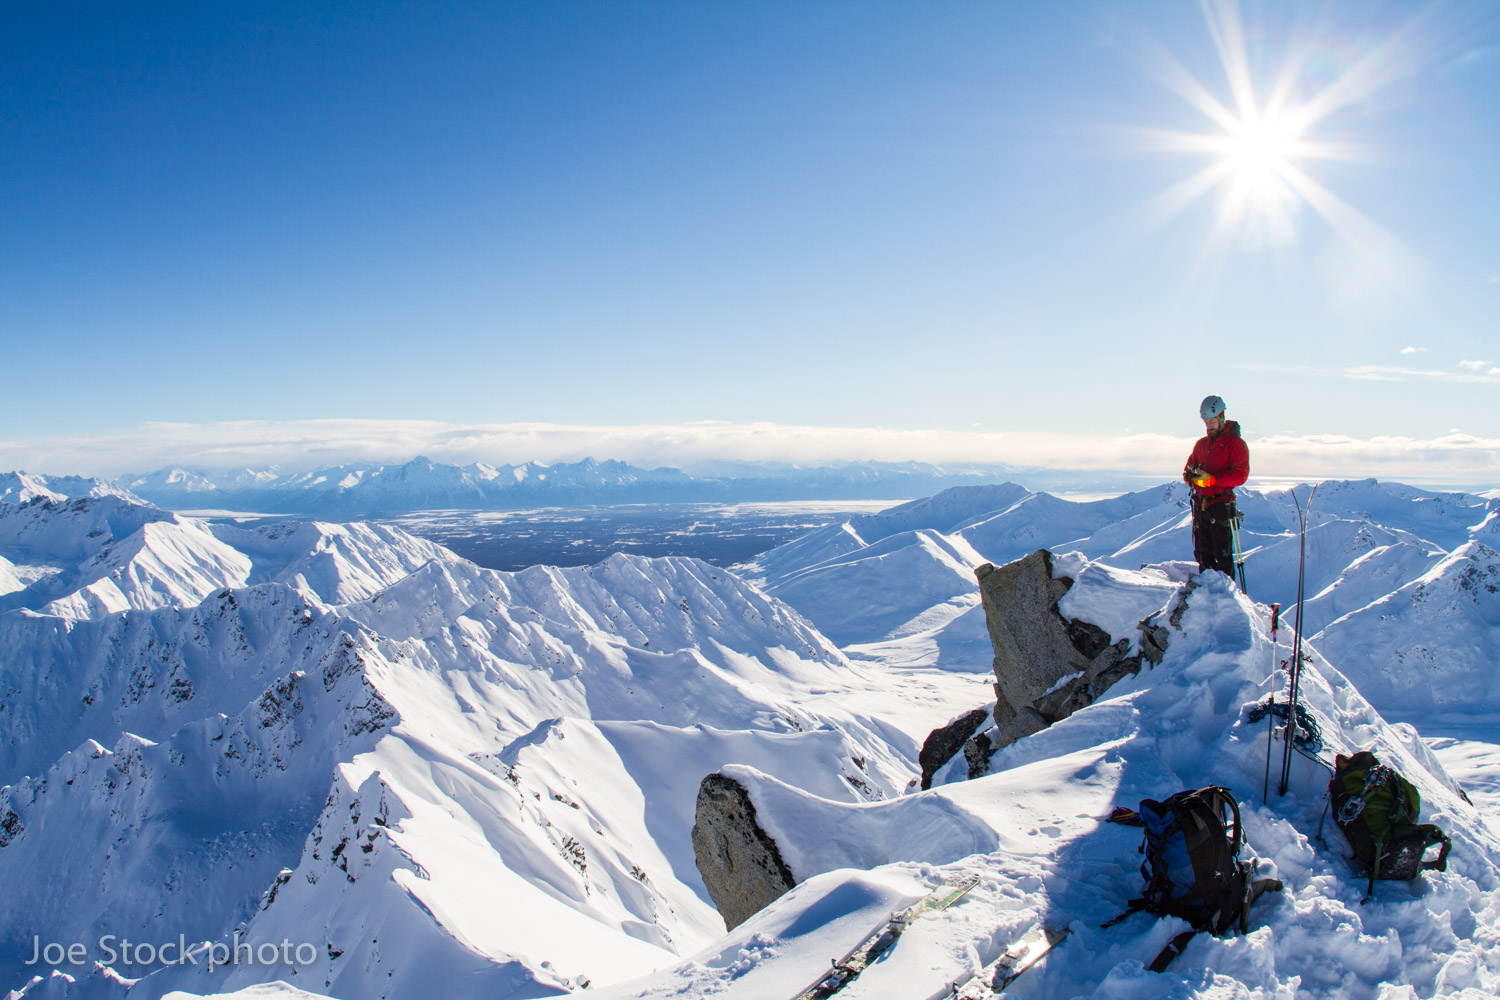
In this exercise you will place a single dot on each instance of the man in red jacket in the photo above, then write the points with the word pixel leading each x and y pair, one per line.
pixel 1219 462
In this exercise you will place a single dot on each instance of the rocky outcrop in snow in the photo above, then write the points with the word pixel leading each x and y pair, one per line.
pixel 1047 664
pixel 739 862
pixel 945 741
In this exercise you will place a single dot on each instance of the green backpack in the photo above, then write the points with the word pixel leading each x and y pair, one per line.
pixel 1377 809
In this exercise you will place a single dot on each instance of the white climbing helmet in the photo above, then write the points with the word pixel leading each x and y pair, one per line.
pixel 1212 406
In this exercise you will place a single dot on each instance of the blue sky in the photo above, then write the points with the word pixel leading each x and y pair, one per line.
pixel 929 228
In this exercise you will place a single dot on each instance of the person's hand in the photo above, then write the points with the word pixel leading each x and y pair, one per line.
pixel 1196 476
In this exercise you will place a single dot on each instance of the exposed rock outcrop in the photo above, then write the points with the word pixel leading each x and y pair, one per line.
pixel 1046 666
pixel 944 742
pixel 739 862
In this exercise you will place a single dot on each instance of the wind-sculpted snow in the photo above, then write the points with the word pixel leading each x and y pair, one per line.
pixel 1033 831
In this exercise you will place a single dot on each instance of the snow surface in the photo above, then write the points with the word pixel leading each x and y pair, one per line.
pixel 1033 831
pixel 461 783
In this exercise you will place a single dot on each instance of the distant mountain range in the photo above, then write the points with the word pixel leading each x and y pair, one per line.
pixel 371 490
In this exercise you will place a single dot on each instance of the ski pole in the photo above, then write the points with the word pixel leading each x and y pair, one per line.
pixel 1239 553
pixel 1265 792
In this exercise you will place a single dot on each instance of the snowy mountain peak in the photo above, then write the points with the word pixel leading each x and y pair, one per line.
pixel 22 487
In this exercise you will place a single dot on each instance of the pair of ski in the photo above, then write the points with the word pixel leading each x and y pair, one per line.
pixel 993 979
pixel 1294 665
pixel 985 983
pixel 864 954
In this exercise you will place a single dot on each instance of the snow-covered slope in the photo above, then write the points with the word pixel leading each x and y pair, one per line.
pixel 908 599
pixel 336 562
pixel 93 556
pixel 183 834
pixel 902 584
pixel 1032 831
pixel 1431 645
pixel 1444 518
pixel 88 557
pixel 64 681
pixel 465 782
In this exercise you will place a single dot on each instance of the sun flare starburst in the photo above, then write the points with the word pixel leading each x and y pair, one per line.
pixel 1259 144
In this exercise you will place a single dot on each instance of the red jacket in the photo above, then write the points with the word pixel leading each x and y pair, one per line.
pixel 1223 456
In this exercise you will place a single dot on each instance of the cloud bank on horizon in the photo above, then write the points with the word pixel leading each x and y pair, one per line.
pixel 1456 459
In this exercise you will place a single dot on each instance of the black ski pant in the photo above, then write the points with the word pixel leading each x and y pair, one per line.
pixel 1213 543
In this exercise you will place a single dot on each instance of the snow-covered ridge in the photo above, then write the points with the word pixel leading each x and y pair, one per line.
pixel 23 487
pixel 1033 832
pixel 897 586
pixel 363 741
pixel 94 556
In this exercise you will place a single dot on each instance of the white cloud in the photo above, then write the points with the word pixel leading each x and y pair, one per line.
pixel 1476 366
pixel 1413 350
pixel 1385 373
pixel 1456 458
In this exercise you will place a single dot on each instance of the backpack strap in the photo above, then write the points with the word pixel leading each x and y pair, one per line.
pixel 1440 864
pixel 1223 803
pixel 1134 906
pixel 1172 950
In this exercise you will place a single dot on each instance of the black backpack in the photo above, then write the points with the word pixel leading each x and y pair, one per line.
pixel 1192 867
pixel 1377 809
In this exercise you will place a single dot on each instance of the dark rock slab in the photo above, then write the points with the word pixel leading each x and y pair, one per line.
pixel 740 863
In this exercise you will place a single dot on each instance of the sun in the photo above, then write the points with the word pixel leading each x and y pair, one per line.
pixel 1260 157
pixel 1261 148
pixel 1257 149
